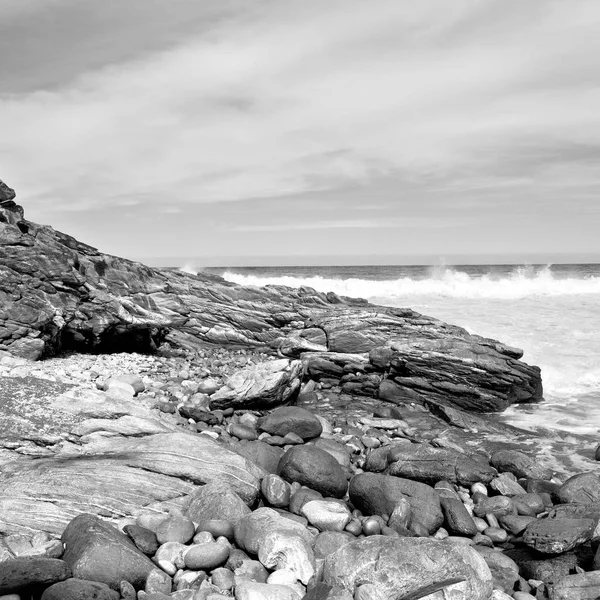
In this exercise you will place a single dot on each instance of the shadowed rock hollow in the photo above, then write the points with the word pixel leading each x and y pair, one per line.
pixel 58 294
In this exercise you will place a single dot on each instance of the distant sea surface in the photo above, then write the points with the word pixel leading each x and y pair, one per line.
pixel 552 312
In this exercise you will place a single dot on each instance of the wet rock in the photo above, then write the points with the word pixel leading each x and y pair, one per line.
pixel 520 465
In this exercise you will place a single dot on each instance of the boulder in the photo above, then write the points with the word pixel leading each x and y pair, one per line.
pixel 263 455
pixel 520 465
pixel 314 468
pixel 292 419
pixel 421 462
pixel 582 586
pixel 556 536
pixel 79 589
pixel 96 551
pixel 399 567
pixel 20 573
pixel 216 501
pixel 583 488
pixel 376 494
pixel 262 385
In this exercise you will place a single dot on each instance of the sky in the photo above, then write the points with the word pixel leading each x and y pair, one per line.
pixel 307 131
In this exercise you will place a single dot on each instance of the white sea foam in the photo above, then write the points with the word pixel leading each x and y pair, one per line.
pixel 442 282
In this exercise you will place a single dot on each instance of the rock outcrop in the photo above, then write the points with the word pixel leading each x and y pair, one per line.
pixel 59 294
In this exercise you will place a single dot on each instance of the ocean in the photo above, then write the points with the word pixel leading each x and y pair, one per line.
pixel 552 312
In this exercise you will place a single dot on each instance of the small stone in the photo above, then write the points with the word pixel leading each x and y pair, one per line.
pixel 175 529
pixel 222 578
pixel 496 534
pixel 276 491
pixel 216 527
pixel 206 556
pixel 326 515
pixel 158 582
pixel 242 432
pixel 143 538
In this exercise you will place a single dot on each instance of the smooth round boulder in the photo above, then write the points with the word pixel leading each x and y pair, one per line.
pixel 314 468
pixel 79 589
pixel 292 419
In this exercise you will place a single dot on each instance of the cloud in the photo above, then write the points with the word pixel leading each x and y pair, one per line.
pixel 299 98
pixel 383 223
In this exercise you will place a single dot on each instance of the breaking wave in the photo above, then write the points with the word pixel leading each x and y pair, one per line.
pixel 521 283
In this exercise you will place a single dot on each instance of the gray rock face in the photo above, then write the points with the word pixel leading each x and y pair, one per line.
pixel 397 568
pixel 96 551
pixel 57 293
pixel 376 494
pixel 102 474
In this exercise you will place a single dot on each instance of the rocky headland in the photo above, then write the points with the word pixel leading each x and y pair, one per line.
pixel 168 435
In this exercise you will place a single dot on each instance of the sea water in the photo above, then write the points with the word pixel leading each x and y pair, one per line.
pixel 552 312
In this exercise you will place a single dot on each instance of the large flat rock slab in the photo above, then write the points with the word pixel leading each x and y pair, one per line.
pixel 116 477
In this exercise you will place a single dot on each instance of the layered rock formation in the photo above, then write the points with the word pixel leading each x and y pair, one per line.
pixel 58 294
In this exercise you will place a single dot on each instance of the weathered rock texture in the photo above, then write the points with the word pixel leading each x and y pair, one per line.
pixel 84 451
pixel 57 294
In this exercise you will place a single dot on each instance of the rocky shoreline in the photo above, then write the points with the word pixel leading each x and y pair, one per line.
pixel 265 444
